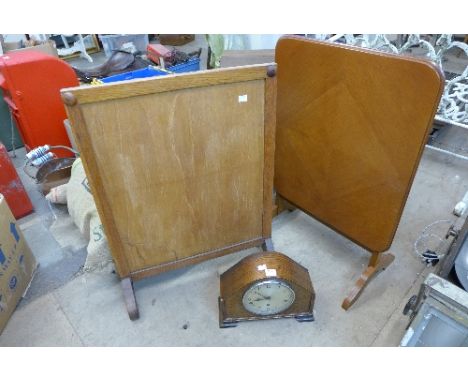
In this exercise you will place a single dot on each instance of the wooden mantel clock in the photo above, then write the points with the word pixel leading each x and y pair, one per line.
pixel 265 285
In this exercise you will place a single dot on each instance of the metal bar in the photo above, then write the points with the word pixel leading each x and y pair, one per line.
pixel 450 122
pixel 447 152
pixel 335 37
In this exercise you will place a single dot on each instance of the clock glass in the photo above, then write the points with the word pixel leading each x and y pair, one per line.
pixel 268 297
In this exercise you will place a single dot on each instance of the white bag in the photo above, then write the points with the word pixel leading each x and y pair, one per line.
pixel 82 209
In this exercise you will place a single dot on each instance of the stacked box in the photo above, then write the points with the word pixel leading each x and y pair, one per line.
pixel 17 264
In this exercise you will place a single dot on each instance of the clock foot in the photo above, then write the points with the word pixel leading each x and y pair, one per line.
pixel 305 318
pixel 377 263
pixel 224 323
pixel 267 245
pixel 308 316
pixel 227 324
pixel 129 297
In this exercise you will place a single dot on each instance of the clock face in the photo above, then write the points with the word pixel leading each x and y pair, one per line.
pixel 268 297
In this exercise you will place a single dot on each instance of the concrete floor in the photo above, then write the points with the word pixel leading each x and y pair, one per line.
pixel 67 307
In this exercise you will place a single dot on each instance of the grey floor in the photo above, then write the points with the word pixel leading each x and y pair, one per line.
pixel 67 307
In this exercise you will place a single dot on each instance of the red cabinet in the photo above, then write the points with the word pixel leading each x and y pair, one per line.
pixel 12 188
pixel 31 83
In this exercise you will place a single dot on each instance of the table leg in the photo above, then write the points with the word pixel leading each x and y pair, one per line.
pixel 129 297
pixel 267 245
pixel 283 205
pixel 377 263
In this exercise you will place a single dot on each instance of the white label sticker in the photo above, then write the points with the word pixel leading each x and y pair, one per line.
pixel 268 272
pixel 243 98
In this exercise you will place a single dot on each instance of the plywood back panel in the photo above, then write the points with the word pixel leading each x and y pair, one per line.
pixel 177 173
pixel 351 127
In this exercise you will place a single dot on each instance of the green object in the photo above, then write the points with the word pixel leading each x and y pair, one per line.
pixel 216 43
pixel 6 128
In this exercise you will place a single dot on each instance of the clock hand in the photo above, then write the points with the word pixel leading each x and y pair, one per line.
pixel 264 297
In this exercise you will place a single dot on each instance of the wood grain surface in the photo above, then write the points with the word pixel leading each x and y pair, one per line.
pixel 178 176
pixel 351 128
pixel 269 153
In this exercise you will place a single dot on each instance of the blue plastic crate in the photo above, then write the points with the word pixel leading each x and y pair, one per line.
pixel 191 65
pixel 139 73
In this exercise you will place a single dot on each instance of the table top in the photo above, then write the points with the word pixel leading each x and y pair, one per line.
pixel 351 128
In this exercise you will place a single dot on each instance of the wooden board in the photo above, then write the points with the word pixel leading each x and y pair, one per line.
pixel 181 167
pixel 351 127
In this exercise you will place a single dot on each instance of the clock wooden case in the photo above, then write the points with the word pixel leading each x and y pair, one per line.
pixel 281 278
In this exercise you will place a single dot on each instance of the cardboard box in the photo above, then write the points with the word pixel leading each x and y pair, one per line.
pixel 47 47
pixel 17 264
